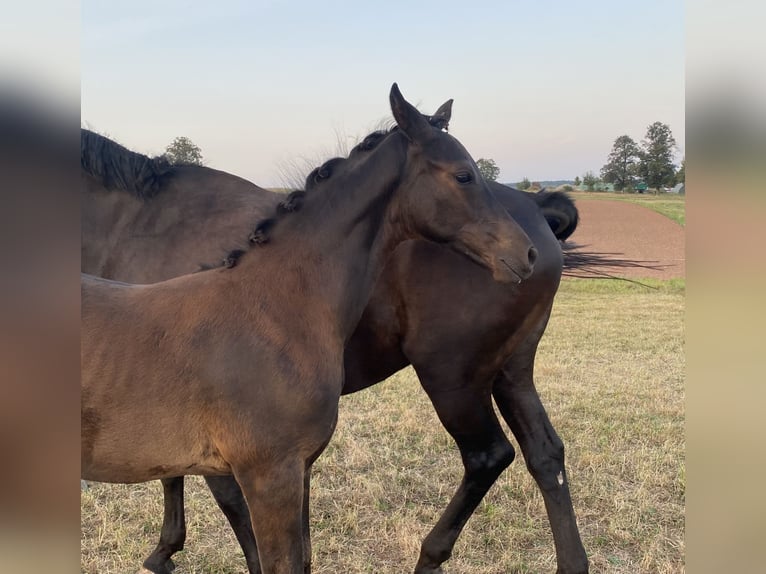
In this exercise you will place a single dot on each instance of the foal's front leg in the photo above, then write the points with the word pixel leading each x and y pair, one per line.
pixel 307 522
pixel 520 405
pixel 274 495
pixel 229 498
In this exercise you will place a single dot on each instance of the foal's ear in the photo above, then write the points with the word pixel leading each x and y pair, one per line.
pixel 412 123
pixel 441 118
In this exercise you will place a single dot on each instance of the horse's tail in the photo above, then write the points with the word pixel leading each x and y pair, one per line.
pixel 561 214
pixel 559 211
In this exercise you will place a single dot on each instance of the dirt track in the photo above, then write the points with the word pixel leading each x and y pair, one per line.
pixel 627 231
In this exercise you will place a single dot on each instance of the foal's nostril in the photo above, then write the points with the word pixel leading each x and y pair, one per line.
pixel 532 255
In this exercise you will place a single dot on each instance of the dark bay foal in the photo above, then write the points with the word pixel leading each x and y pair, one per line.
pixel 239 371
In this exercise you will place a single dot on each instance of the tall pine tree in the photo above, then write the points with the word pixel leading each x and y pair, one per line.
pixel 622 166
pixel 656 167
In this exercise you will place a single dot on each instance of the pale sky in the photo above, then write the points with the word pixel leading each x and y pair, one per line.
pixel 542 87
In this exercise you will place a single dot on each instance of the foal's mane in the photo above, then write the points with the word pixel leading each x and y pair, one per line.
pixel 261 233
pixel 118 168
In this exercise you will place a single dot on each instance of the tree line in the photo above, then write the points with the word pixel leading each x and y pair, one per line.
pixel 628 166
pixel 650 163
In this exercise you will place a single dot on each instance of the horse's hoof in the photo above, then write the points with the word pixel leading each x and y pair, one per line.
pixel 169 567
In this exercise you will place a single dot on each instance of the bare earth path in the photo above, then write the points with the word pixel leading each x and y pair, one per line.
pixel 625 230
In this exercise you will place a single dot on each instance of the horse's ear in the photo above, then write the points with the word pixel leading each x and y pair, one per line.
pixel 412 123
pixel 441 118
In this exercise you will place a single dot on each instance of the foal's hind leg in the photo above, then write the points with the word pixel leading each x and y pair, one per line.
pixel 173 533
pixel 468 416
pixel 229 497
pixel 520 405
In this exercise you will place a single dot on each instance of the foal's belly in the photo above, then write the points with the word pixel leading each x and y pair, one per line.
pixel 120 458
pixel 129 474
pixel 137 442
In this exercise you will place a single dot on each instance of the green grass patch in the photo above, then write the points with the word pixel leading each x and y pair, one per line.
pixel 675 210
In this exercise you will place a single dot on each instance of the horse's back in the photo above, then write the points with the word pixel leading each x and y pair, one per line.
pixel 198 215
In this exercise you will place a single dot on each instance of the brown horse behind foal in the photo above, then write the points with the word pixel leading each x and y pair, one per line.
pixel 239 371
pixel 171 219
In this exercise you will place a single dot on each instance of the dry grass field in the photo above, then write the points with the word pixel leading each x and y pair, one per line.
pixel 610 371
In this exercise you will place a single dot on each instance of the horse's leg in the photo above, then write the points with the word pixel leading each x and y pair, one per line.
pixel 173 533
pixel 468 416
pixel 520 405
pixel 274 494
pixel 229 497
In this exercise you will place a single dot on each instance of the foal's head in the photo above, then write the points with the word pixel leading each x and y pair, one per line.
pixel 440 193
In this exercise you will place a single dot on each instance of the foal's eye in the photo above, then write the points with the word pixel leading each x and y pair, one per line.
pixel 464 177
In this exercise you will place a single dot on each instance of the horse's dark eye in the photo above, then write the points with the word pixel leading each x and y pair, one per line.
pixel 464 177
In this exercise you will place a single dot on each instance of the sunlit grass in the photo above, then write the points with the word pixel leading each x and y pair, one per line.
pixel 620 285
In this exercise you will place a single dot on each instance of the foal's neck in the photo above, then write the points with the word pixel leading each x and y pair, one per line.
pixel 335 247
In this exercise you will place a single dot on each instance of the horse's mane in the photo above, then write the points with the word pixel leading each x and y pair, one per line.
pixel 118 168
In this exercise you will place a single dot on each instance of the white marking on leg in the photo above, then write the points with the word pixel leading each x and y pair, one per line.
pixel 560 477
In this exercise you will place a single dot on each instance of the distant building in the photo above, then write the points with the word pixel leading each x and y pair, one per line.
pixel 678 188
